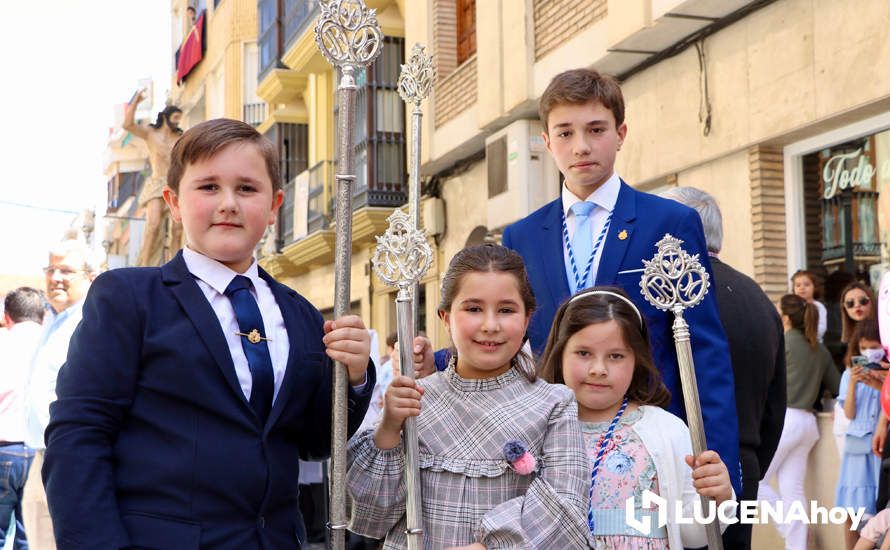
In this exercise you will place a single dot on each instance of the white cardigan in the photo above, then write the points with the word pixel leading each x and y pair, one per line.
pixel 667 440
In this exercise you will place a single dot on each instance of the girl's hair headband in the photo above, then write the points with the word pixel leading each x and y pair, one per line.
pixel 619 296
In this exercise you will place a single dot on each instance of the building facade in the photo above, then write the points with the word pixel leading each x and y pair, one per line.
pixel 747 100
pixel 126 167
pixel 768 105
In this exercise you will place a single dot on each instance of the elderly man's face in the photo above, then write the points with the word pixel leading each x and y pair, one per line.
pixel 66 280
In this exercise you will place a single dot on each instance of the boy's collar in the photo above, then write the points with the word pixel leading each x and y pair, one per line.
pixel 606 196
pixel 214 273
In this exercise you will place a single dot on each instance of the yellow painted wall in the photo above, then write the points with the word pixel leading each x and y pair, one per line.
pixel 317 285
pixel 320 102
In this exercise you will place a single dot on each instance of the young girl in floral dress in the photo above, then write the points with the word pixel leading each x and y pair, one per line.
pixel 599 347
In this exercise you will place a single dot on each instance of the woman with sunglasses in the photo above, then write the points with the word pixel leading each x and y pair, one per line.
pixel 857 305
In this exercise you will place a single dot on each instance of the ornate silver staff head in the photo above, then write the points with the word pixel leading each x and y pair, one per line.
pixel 348 35
pixel 403 254
pixel 417 76
pixel 673 280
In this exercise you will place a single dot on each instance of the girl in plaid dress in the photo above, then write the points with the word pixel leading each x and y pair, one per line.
pixel 502 462
pixel 599 347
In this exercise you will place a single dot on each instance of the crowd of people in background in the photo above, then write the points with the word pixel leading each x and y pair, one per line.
pixel 38 325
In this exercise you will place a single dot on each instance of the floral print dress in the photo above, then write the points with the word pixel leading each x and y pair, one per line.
pixel 626 471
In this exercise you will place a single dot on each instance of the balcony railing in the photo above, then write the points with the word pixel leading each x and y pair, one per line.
pixel 297 14
pixel 122 186
pixel 286 216
pixel 318 199
pixel 269 35
pixel 254 113
pixel 321 178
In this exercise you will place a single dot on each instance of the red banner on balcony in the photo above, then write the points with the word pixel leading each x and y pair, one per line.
pixel 192 50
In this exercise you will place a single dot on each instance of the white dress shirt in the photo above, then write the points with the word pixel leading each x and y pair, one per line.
pixel 17 347
pixel 213 278
pixel 51 354
pixel 605 198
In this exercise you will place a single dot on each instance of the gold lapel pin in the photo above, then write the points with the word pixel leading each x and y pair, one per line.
pixel 622 235
pixel 253 337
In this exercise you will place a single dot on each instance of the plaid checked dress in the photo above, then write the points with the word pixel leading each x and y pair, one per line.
pixel 470 492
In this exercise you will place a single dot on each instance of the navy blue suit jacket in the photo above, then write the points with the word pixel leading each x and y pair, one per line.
pixel 152 443
pixel 645 218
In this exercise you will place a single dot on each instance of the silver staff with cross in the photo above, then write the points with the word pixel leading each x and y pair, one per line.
pixel 401 258
pixel 675 281
pixel 348 36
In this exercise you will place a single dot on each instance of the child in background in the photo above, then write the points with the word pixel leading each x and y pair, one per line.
pixel 502 462
pixel 857 305
pixel 599 347
pixel 803 283
pixel 859 395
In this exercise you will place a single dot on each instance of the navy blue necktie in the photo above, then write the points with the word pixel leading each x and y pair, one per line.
pixel 250 321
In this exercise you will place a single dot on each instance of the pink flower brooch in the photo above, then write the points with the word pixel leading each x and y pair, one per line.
pixel 519 457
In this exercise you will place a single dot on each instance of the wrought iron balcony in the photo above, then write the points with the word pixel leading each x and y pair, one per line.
pixel 297 16
pixel 286 215
pixel 321 178
pixel 254 113
pixel 281 23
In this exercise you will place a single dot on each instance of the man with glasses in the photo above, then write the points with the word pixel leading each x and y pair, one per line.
pixel 69 273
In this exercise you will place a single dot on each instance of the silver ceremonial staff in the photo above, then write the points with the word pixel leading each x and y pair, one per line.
pixel 401 258
pixel 415 83
pixel 675 281
pixel 348 36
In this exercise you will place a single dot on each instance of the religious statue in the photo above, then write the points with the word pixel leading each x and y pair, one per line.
pixel 160 138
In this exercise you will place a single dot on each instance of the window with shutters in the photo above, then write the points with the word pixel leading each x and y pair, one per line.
pixel 466 29
pixel 379 141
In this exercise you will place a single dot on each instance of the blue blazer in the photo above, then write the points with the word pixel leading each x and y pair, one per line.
pixel 645 218
pixel 152 443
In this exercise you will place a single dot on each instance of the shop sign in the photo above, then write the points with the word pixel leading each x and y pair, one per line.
pixel 838 178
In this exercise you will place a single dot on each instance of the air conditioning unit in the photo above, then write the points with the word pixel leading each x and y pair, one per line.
pixel 522 176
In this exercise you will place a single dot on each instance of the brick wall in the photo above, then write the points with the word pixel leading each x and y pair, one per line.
pixel 768 219
pixel 558 20
pixel 445 37
pixel 456 92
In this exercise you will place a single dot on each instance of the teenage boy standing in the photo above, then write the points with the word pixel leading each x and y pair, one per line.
pixel 599 232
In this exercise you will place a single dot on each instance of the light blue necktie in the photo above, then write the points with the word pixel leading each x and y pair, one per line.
pixel 582 240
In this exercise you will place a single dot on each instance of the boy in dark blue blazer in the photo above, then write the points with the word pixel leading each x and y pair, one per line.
pixel 191 390
pixel 583 116
pixel 599 232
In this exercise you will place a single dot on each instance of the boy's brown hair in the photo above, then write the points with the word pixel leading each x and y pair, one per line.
pixel 203 141
pixel 580 86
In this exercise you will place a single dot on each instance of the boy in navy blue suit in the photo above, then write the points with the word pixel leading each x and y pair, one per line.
pixel 191 390
pixel 599 231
